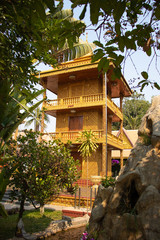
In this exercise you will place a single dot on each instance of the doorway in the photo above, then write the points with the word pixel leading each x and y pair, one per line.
pixel 75 123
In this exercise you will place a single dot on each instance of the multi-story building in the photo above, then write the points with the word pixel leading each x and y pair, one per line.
pixel 84 102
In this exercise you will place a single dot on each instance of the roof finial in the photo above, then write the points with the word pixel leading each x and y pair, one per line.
pixel 86 36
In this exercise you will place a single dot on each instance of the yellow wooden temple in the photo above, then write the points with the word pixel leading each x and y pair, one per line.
pixel 84 102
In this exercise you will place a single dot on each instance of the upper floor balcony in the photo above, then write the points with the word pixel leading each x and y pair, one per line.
pixel 72 136
pixel 81 102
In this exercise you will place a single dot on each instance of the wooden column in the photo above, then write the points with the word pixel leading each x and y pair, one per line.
pixel 109 163
pixel 121 158
pixel 109 123
pixel 104 150
pixel 121 122
pixel 44 97
pixel 121 132
pixel 104 119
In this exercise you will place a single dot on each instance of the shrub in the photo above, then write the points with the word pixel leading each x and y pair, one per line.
pixel 108 181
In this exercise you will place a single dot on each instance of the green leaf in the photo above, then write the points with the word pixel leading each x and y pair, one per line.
pixel 118 10
pixel 83 12
pixel 75 3
pixel 118 28
pixel 117 72
pixel 99 44
pixel 157 13
pixel 143 85
pixel 156 85
pixel 144 74
pixel 121 44
pixel 50 4
pixel 94 11
pixel 130 43
pixel 98 54
pixel 119 59
pixel 141 82
pixel 40 10
pixel 103 64
pixel 149 52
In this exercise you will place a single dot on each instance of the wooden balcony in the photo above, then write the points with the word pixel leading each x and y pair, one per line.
pixel 113 107
pixel 112 140
pixel 72 136
pixel 82 101
pixel 75 102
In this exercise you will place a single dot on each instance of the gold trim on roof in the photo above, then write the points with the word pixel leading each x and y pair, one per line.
pixel 78 64
pixel 53 72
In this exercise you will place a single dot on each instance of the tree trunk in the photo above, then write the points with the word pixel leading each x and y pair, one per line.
pixel 41 209
pixel 18 232
pixel 37 126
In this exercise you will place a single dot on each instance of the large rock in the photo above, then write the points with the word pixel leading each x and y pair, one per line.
pixel 131 211
pixel 150 125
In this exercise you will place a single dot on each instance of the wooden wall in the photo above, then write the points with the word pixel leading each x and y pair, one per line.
pixel 94 164
pixel 92 119
pixel 81 87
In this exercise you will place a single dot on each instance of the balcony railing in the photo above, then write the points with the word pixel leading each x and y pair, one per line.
pixel 73 135
pixel 114 141
pixel 82 101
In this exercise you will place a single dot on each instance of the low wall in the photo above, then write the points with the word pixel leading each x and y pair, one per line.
pixel 72 213
pixel 55 226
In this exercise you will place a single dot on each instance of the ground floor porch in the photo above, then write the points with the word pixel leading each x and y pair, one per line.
pixel 98 164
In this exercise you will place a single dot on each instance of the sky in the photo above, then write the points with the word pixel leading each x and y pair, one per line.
pixel 140 59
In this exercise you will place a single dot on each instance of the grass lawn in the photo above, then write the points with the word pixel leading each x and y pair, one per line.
pixel 33 222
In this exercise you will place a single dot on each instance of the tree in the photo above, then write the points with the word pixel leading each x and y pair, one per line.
pixel 87 147
pixel 29 30
pixel 134 109
pixel 43 168
pixel 128 26
pixel 10 120
pixel 36 119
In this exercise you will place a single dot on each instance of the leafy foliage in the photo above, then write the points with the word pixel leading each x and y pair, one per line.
pixel 16 111
pixel 43 168
pixel 134 108
pixel 128 26
pixel 133 111
pixel 29 31
pixel 88 143
pixel 108 181
pixel 36 119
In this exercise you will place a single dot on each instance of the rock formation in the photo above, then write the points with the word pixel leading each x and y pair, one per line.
pixel 131 211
